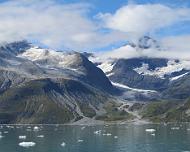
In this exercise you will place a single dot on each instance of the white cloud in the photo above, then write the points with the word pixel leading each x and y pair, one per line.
pixel 142 19
pixel 177 43
pixel 59 25
pixel 138 20
pixel 175 47
pixel 53 24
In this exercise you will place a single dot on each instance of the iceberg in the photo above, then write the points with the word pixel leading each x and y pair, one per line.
pixel 27 144
pixel 36 128
pixel 63 144
pixel 153 134
pixel 98 132
pixel 108 134
pixel 40 136
pixel 150 130
pixel 82 128
pixel 22 137
pixel 80 140
pixel 1 136
pixel 175 128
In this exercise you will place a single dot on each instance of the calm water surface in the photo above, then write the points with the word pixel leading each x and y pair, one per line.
pixel 113 138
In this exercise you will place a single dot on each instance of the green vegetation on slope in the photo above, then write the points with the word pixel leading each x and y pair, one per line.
pixel 167 111
pixel 114 114
pixel 31 103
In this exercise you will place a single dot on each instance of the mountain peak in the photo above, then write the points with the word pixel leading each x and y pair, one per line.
pixel 145 42
pixel 16 47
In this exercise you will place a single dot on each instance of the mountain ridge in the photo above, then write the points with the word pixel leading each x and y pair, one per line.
pixel 69 87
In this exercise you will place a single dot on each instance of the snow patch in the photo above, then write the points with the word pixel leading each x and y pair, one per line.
pixel 172 66
pixel 106 66
pixel 55 59
pixel 178 77
pixel 133 89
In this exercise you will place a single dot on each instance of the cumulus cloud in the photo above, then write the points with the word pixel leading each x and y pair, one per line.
pixel 177 43
pixel 63 25
pixel 142 19
pixel 53 24
pixel 174 47
pixel 139 20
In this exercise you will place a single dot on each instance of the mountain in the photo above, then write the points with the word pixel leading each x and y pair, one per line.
pixel 144 77
pixel 40 85
pixel 45 86
pixel 167 111
pixel 145 42
pixel 179 88
pixel 50 101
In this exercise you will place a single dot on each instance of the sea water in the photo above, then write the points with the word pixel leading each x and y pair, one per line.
pixel 100 138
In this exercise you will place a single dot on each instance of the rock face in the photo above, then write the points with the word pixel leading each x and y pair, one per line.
pixel 50 101
pixel 44 86
pixel 145 42
pixel 178 89
pixel 168 77
pixel 124 73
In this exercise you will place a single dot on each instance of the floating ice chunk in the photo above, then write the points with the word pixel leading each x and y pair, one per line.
pixel 115 137
pixel 40 136
pixel 11 127
pixel 82 128
pixel 98 132
pixel 22 137
pixel 36 128
pixel 27 144
pixel 80 140
pixel 153 134
pixel 108 134
pixel 175 128
pixel 63 144
pixel 150 130
pixel 1 136
pixel 5 132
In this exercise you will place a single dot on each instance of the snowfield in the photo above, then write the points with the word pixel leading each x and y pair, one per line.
pixel 106 66
pixel 171 67
pixel 133 89
pixel 52 59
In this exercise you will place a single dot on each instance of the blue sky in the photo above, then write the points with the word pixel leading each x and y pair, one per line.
pixel 95 25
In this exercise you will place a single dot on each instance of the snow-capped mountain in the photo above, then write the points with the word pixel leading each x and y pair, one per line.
pixel 47 86
pixel 145 42
pixel 139 71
